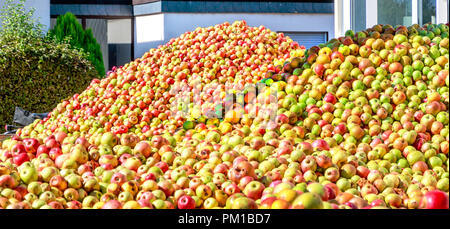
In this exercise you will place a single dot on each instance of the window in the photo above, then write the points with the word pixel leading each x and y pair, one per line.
pixel 361 14
pixel 119 42
pixel 428 11
pixel 358 15
pixel 308 39
pixel 395 12
pixel 99 29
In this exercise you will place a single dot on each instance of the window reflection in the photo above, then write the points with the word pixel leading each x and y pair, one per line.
pixel 395 12
pixel 358 15
pixel 119 42
pixel 428 12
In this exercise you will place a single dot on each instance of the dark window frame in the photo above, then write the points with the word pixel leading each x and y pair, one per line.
pixel 84 17
pixel 105 2
pixel 325 32
pixel 138 2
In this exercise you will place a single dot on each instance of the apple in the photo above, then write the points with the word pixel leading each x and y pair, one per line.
pixel 18 149
pixel 54 153
pixel 31 145
pixel 52 143
pixel 8 181
pixel 28 174
pixel 307 201
pixel 58 182
pixel 112 204
pixel 332 174
pixel 109 139
pixel 21 158
pixel 42 149
pixel 254 190
pixel 319 69
pixel 118 178
pixel 320 144
pixel 186 202
pixel 243 203
pixel 309 163
pixel 435 200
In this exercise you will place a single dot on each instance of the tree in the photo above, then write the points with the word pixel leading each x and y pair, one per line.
pixel 36 71
pixel 18 22
pixel 68 27
pixel 95 51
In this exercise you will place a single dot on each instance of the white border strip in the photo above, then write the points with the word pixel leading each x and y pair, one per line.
pixel 347 15
pixel 371 13
pixel 338 18
pixel 441 11
pixel 415 12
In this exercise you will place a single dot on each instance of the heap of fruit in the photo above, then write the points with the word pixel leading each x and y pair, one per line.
pixel 137 97
pixel 362 122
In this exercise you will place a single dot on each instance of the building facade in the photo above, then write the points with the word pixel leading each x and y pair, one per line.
pixel 159 21
pixel 126 29
pixel 360 14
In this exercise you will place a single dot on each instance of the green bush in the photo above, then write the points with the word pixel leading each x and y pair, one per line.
pixel 66 26
pixel 36 72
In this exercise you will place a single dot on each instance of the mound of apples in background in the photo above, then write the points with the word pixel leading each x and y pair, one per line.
pixel 362 122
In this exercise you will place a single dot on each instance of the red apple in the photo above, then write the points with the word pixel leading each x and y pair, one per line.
pixel 54 153
pixel 31 145
pixel 42 149
pixel 319 69
pixel 436 200
pixel 17 149
pixel 186 202
pixel 21 158
pixel 112 204
pixel 320 144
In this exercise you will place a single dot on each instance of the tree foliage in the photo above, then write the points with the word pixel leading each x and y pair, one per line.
pixel 67 26
pixel 36 71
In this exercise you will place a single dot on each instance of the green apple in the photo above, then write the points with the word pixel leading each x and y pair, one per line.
pixel 203 192
pixel 343 184
pixel 159 204
pixel 30 197
pixel 74 181
pixel 123 150
pixel 213 136
pixel 34 187
pixel 109 139
pixel 106 176
pixel 48 172
pixel 37 204
pixel 210 203
pixel 28 174
pixel 316 188
pixel 235 140
pixel 105 149
pixel 243 203
pixel 308 201
pixel 414 157
pixel 442 184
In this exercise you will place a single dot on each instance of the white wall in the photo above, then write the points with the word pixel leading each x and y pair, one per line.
pixel 119 31
pixel 442 11
pixel 159 29
pixel 42 12
pixel 149 33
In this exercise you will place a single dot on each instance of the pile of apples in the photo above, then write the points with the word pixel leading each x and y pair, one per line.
pixel 375 114
pixel 360 122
